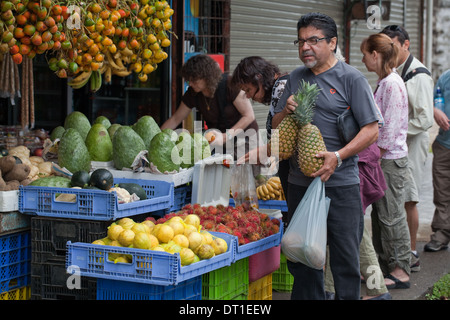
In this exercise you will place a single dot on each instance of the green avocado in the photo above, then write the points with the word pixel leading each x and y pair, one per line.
pixel 146 127
pixel 112 129
pixel 57 133
pixel 126 146
pixel 78 121
pixel 163 153
pixel 72 152
pixel 103 120
pixel 99 143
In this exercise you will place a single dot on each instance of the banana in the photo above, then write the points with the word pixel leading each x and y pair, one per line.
pixel 112 62
pixel 118 60
pixel 275 179
pixel 265 190
pixel 269 188
pixel 122 73
pixel 126 52
pixel 81 80
pixel 108 75
pixel 96 81
pixel 273 184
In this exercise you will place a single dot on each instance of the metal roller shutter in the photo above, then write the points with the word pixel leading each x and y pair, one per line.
pixel 268 29
pixel 359 31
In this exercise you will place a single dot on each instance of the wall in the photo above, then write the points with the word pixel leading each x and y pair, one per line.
pixel 441 37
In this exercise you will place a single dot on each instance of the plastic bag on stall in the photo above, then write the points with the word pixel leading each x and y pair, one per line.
pixel 305 238
pixel 243 188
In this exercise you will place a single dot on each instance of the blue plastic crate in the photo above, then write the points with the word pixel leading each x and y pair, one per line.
pixel 246 250
pixel 147 266
pixel 15 260
pixel 268 204
pixel 190 289
pixel 94 204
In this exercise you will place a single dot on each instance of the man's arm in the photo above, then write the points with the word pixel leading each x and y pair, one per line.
pixel 366 136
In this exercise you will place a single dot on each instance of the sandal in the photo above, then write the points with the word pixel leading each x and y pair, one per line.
pixel 397 283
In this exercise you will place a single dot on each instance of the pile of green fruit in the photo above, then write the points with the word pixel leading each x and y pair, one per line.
pixel 167 152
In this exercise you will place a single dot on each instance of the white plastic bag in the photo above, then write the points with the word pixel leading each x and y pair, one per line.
pixel 305 239
pixel 243 188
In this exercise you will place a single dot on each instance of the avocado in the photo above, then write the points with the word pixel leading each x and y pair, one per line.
pixel 103 120
pixel 57 133
pixel 72 152
pixel 78 121
pixel 146 127
pixel 126 146
pixel 163 153
pixel 112 129
pixel 99 143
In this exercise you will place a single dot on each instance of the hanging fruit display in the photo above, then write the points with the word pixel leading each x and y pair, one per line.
pixel 89 40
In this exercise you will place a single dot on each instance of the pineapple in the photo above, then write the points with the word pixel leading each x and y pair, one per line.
pixel 309 139
pixel 285 137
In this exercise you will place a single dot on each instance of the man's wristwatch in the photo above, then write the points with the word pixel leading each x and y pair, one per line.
pixel 338 159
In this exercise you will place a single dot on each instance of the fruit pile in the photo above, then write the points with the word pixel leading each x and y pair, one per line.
pixel 270 189
pixel 88 37
pixel 177 235
pixel 246 224
pixel 79 142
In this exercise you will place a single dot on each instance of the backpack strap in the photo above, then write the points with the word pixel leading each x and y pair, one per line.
pixel 414 72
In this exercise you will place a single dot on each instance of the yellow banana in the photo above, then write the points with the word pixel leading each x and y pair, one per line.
pixel 108 75
pixel 275 179
pixel 121 73
pixel 274 184
pixel 265 191
pixel 126 52
pixel 269 188
pixel 112 62
pixel 81 80
pixel 118 60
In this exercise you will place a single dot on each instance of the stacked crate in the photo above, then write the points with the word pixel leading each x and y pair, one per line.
pixel 86 219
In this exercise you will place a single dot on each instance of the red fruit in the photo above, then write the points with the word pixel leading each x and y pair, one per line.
pixel 17 58
pixel 38 152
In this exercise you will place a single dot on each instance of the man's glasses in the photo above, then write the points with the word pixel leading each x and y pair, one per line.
pixel 310 41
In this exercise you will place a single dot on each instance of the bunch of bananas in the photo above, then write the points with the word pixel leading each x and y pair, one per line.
pixel 96 80
pixel 80 80
pixel 271 190
pixel 115 64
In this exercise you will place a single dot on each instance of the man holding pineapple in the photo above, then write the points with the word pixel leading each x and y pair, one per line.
pixel 315 95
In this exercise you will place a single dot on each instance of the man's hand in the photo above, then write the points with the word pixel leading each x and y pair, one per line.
pixel 329 165
pixel 441 119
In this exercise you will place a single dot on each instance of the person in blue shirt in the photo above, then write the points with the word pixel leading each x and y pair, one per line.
pixel 440 224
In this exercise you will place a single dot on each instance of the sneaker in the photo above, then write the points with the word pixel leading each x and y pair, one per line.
pixel 415 263
pixel 434 246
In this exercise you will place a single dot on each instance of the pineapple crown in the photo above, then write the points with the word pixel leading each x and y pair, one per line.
pixel 305 97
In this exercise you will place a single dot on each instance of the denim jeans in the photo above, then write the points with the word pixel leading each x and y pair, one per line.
pixel 345 225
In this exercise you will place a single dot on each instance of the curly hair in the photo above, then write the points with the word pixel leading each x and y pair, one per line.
pixel 256 70
pixel 204 67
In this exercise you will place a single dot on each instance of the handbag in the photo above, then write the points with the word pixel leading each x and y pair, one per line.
pixel 348 128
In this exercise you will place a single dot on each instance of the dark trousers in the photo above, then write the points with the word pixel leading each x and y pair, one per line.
pixel 345 225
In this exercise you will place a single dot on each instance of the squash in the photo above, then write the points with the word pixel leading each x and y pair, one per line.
pixel 102 179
